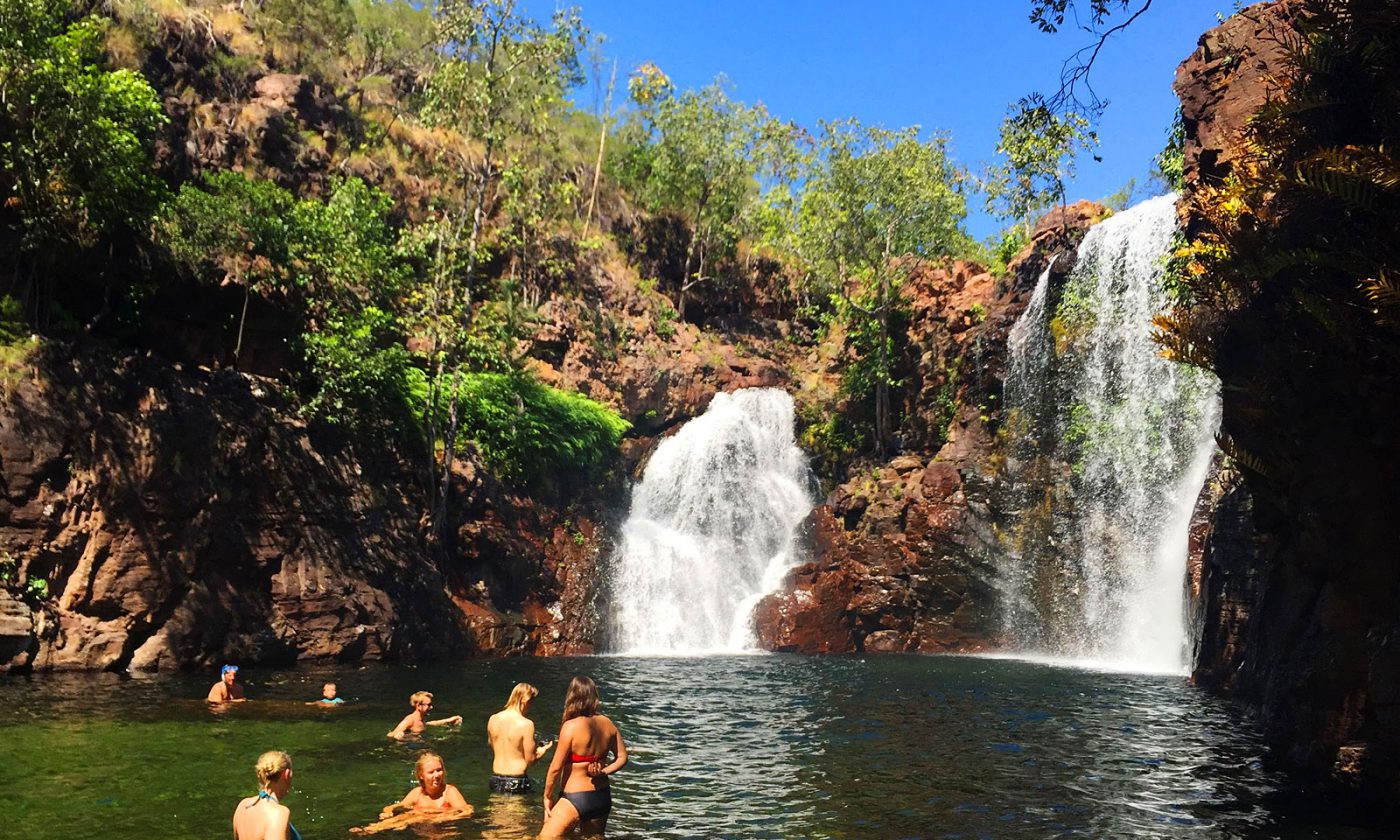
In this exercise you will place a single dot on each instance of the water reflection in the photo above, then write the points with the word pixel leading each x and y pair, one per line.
pixel 741 747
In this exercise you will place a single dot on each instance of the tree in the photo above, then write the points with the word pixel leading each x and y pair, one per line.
pixel 336 262
pixel 75 161
pixel 501 79
pixel 703 157
pixel 879 203
pixel 1040 146
pixel 234 230
pixel 1076 92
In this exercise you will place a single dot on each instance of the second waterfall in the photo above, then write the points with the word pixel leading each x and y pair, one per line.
pixel 711 528
pixel 1110 444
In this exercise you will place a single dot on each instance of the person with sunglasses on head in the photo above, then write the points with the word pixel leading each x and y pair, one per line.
pixel 416 721
pixel 227 689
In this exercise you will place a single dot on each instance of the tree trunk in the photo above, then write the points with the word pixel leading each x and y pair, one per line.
pixel 242 320
pixel 602 141
pixel 448 450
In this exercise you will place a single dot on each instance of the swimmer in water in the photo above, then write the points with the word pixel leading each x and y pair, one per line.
pixel 434 800
pixel 415 722
pixel 328 697
pixel 227 689
pixel 263 816
pixel 512 737
pixel 585 741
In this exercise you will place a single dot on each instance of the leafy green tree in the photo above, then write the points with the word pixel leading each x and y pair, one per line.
pixel 878 204
pixel 501 82
pixel 233 230
pixel 1040 146
pixel 703 156
pixel 75 160
pixel 529 432
pixel 336 262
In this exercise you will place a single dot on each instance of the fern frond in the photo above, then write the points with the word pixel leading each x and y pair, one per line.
pixel 1173 336
pixel 1243 457
pixel 1358 175
pixel 1383 292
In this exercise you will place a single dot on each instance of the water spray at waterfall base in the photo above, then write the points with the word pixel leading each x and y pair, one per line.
pixel 711 529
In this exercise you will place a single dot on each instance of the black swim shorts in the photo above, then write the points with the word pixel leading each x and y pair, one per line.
pixel 511 784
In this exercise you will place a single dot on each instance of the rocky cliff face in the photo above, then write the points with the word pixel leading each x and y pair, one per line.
pixel 902 554
pixel 184 517
pixel 1301 587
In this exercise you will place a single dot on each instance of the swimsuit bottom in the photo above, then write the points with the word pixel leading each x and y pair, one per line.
pixel 591 804
pixel 511 784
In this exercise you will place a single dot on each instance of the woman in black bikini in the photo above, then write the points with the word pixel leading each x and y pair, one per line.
pixel 585 741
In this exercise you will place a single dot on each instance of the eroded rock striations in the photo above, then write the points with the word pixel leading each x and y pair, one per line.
pixel 183 517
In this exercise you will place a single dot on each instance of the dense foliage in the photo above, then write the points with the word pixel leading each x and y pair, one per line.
pixel 877 204
pixel 384 248
pixel 74 137
pixel 1301 234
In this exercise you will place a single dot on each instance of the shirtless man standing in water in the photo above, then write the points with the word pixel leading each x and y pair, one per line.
pixel 512 738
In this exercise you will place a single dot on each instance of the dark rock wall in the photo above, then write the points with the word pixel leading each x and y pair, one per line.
pixel 1301 610
pixel 185 517
pixel 177 519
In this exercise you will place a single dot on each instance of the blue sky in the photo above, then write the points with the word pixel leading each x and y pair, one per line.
pixel 950 65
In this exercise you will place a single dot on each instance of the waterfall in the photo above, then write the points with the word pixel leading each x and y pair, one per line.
pixel 1111 444
pixel 711 528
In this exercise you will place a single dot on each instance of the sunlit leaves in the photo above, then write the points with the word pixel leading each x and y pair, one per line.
pixel 1039 146
pixel 74 138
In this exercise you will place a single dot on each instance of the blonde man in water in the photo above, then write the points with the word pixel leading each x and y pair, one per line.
pixel 263 816
pixel 416 721
pixel 511 735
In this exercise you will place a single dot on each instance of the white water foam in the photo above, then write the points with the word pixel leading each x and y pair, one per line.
pixel 711 529
pixel 1137 432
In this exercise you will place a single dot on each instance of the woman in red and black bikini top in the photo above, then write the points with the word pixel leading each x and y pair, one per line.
pixel 585 741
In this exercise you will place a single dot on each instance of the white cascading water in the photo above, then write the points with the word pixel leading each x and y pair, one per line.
pixel 1133 435
pixel 711 528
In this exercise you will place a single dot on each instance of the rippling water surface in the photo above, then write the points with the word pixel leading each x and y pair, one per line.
pixel 759 746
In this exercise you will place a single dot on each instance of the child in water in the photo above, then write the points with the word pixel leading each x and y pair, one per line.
pixel 328 697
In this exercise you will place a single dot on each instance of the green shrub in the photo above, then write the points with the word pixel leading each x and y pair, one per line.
pixel 361 373
pixel 525 430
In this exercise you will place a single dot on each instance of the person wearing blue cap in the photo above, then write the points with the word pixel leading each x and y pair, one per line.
pixel 227 689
